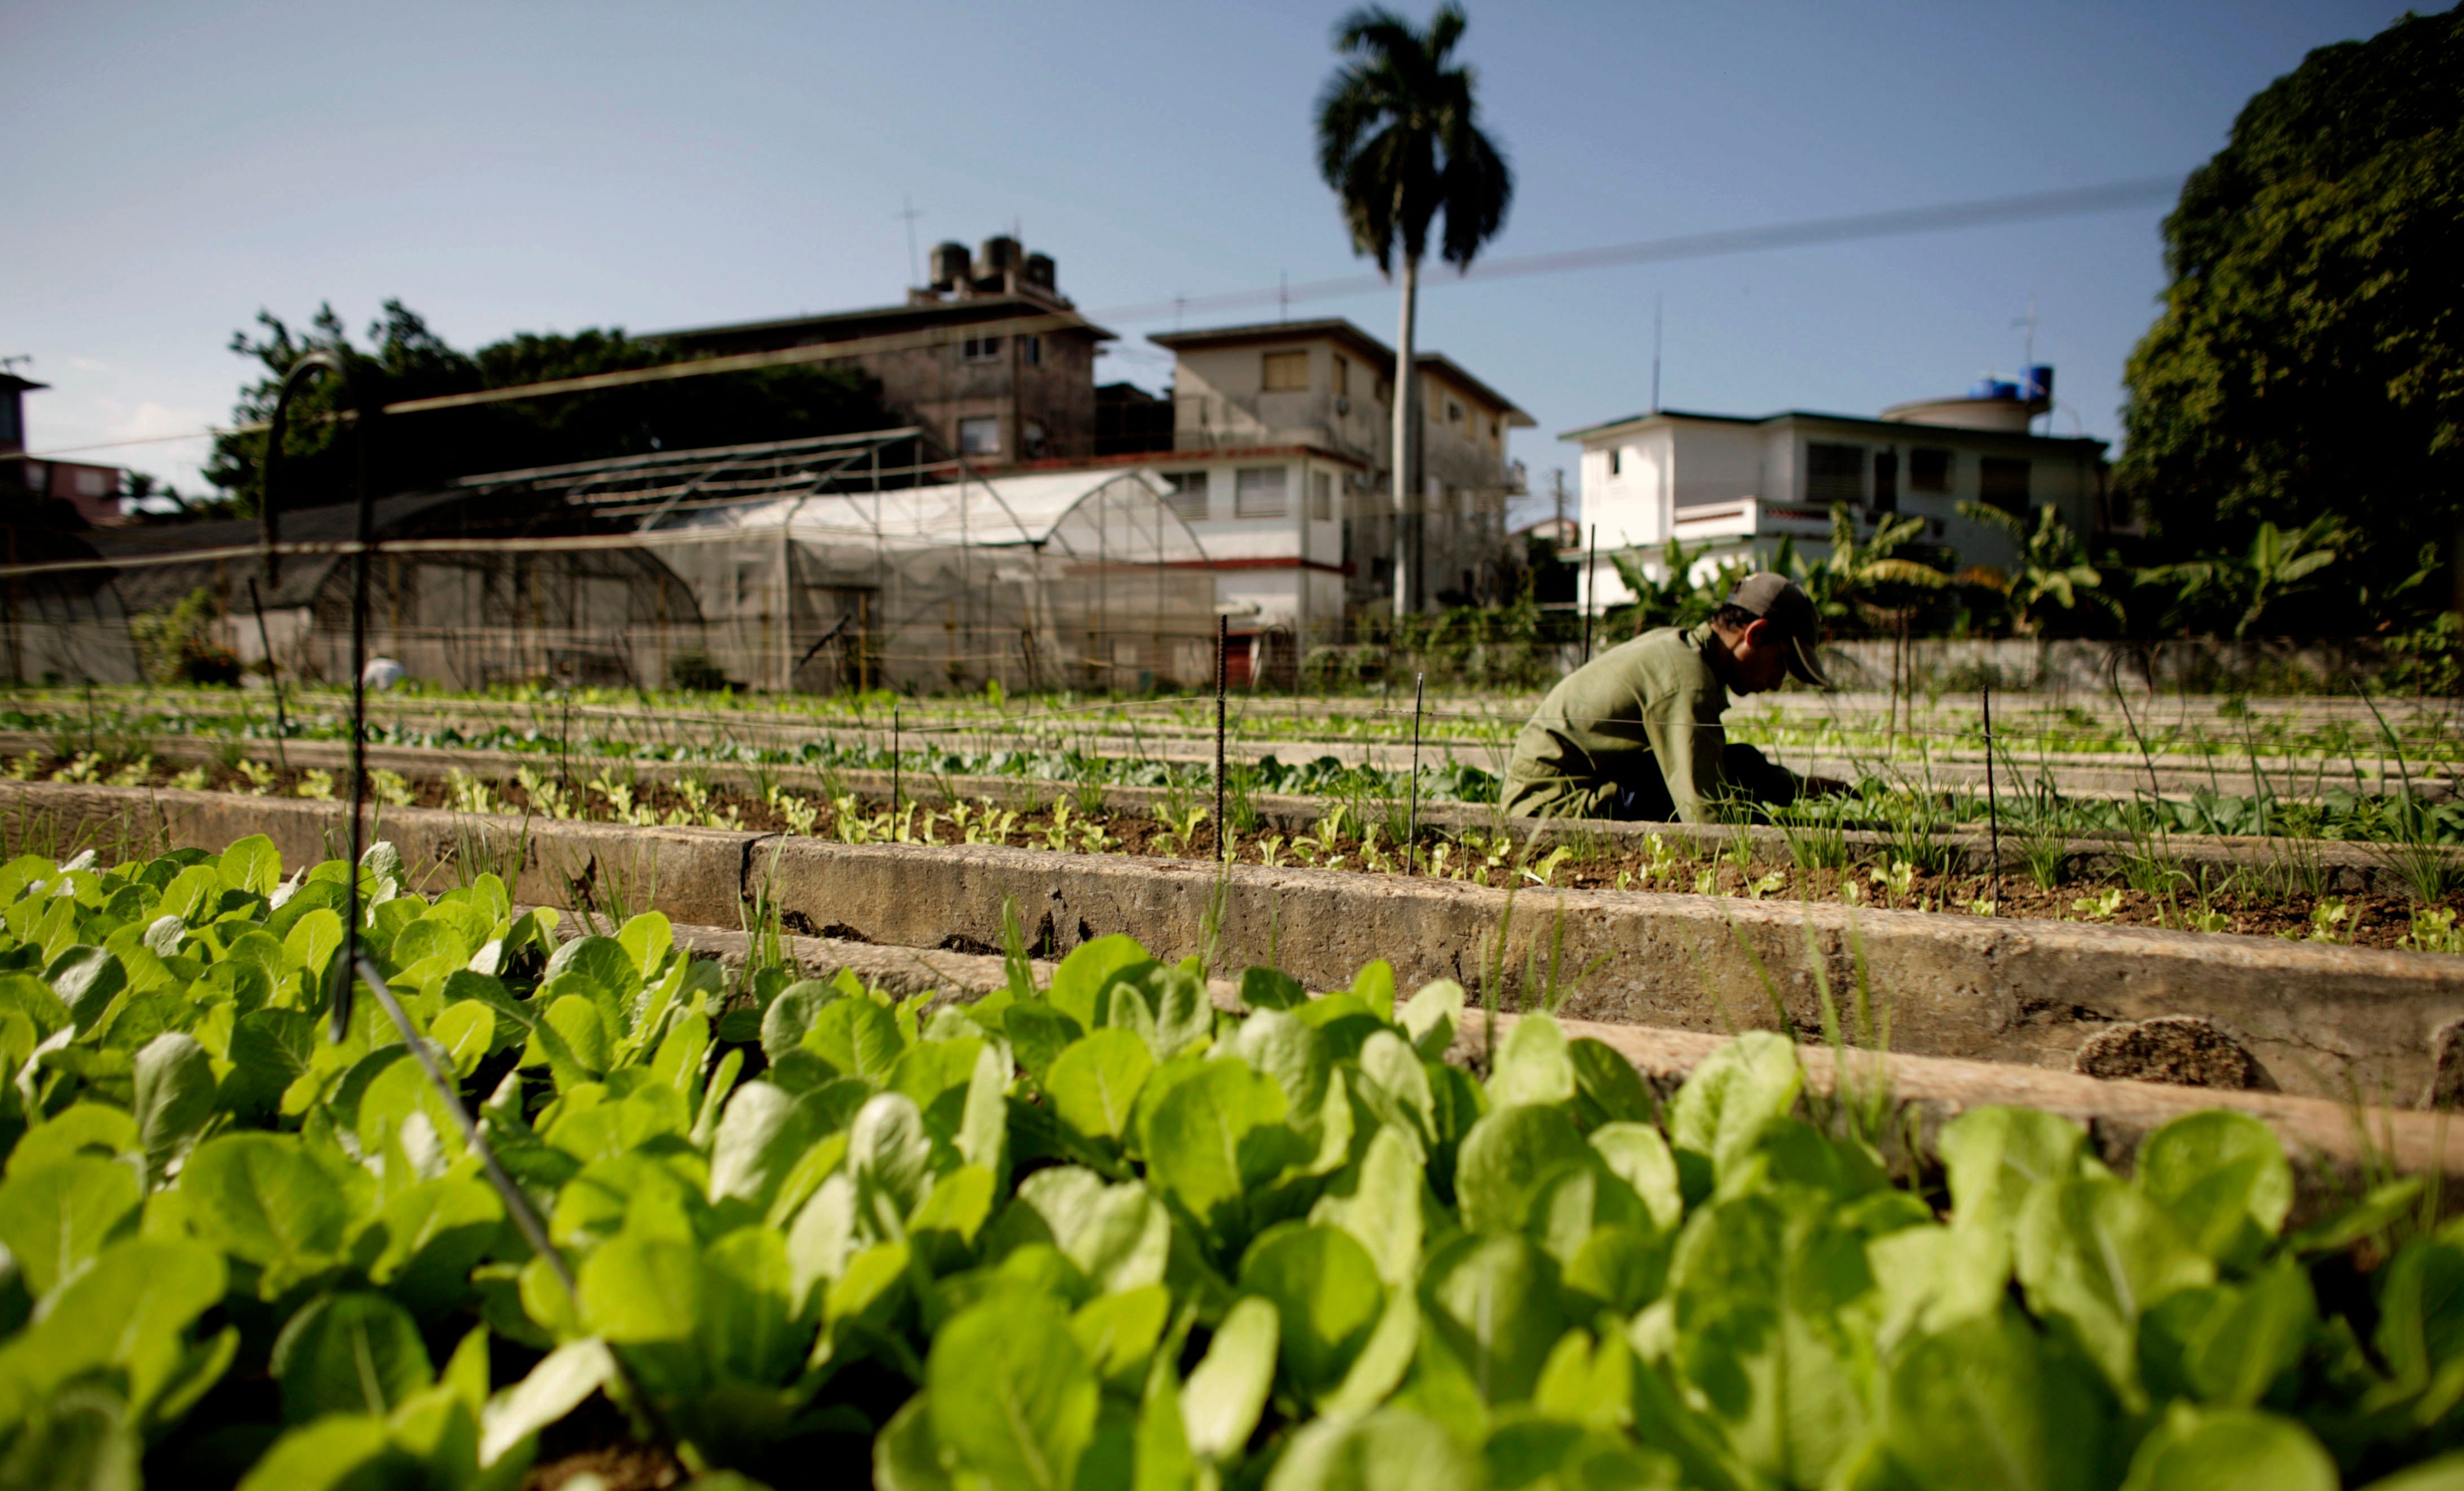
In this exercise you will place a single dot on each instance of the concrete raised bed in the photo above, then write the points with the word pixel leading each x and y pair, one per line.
pixel 2341 867
pixel 2336 1148
pixel 2318 1020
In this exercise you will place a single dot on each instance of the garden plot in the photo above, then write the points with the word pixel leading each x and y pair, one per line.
pixel 2058 859
pixel 1090 1230
pixel 2302 1015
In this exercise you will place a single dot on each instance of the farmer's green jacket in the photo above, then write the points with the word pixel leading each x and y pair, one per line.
pixel 1644 715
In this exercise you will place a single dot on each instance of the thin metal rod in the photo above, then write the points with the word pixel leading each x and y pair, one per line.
pixel 274 676
pixel 1412 848
pixel 1222 647
pixel 517 1201
pixel 269 510
pixel 359 730
pixel 1591 585
pixel 1992 810
pixel 893 761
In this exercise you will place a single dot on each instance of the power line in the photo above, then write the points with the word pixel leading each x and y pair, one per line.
pixel 1894 223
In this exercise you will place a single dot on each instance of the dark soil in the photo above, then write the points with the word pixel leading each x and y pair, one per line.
pixel 2234 903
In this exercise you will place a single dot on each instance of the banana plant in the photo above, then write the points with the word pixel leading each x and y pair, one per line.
pixel 2280 564
pixel 2053 569
pixel 1863 582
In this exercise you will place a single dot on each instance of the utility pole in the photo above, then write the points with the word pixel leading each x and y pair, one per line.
pixel 1655 354
pixel 1557 478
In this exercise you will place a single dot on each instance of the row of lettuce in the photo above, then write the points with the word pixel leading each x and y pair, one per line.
pixel 1099 1234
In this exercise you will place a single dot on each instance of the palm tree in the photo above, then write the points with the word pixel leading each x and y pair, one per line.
pixel 1399 141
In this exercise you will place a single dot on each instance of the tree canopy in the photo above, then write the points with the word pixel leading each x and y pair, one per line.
pixel 1399 140
pixel 406 359
pixel 2309 358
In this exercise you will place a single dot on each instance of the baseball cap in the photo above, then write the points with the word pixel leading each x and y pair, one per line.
pixel 1779 600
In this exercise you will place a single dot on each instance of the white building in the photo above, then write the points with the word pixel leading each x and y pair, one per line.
pixel 1278 461
pixel 1741 484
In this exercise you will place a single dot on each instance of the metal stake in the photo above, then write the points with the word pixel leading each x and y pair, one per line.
pixel 274 675
pixel 269 521
pixel 1412 848
pixel 1223 635
pixel 893 761
pixel 1591 583
pixel 1993 812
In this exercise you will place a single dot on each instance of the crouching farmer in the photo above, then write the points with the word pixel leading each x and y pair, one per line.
pixel 1634 734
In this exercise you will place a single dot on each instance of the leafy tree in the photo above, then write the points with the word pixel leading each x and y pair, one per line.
pixel 406 360
pixel 1399 141
pixel 2053 569
pixel 2309 358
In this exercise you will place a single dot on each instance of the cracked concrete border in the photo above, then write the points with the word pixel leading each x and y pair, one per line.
pixel 2336 1148
pixel 2325 1020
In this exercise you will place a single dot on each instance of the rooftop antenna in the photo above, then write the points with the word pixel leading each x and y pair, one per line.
pixel 9 365
pixel 915 263
pixel 1283 294
pixel 1655 354
pixel 2028 356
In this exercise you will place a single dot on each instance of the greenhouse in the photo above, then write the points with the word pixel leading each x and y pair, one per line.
pixel 1053 580
pixel 817 565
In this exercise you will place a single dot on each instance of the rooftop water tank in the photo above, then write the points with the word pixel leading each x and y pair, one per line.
pixel 950 265
pixel 998 257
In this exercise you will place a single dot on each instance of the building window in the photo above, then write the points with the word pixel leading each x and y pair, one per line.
pixel 1616 461
pixel 2003 483
pixel 1929 470
pixel 1321 496
pixel 1188 495
pixel 1286 372
pixel 1454 412
pixel 1886 481
pixel 1834 474
pixel 1031 348
pixel 90 483
pixel 1342 379
pixel 979 437
pixel 1030 438
pixel 981 349
pixel 1257 492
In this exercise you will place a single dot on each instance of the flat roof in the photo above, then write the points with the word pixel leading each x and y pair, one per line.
pixel 1334 327
pixel 848 326
pixel 1586 430
pixel 1338 329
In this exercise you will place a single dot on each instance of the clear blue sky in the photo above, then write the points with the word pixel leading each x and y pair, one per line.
pixel 170 169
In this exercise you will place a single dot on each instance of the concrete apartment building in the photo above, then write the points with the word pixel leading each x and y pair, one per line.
pixel 92 490
pixel 990 357
pixel 1280 461
pixel 1740 484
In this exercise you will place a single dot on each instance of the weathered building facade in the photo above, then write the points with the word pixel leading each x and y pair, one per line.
pixel 990 358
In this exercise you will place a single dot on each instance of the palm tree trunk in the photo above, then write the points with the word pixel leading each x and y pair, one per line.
pixel 1407 497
